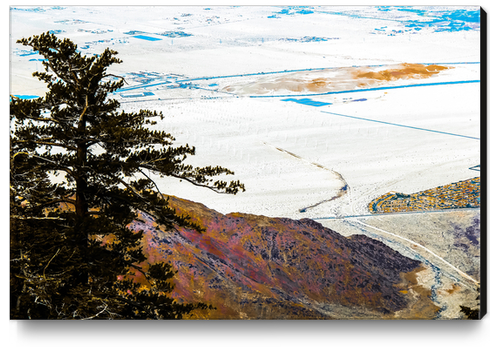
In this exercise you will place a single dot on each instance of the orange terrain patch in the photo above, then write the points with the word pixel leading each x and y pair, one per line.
pixel 338 79
pixel 406 70
pixel 316 85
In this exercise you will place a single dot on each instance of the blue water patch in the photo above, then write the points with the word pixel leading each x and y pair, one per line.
pixel 36 9
pixel 455 15
pixel 134 32
pixel 436 19
pixel 308 102
pixel 71 21
pixel 292 10
pixel 148 38
pixel 137 95
pixel 309 39
pixel 358 100
pixel 25 97
pixel 27 54
pixel 304 11
pixel 213 85
pixel 175 34
pixel 443 21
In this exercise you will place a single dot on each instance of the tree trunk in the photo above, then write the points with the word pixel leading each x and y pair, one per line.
pixel 81 206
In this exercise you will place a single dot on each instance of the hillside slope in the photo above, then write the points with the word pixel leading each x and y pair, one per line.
pixel 256 267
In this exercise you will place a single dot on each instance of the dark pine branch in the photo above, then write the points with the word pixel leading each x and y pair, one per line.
pixel 69 240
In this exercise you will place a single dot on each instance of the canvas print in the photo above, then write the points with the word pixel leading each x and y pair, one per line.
pixel 245 162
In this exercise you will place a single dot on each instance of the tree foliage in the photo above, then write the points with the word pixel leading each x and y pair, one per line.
pixel 80 171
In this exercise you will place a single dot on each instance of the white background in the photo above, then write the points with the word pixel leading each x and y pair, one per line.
pixel 223 333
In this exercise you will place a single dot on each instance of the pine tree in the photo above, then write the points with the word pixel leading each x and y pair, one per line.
pixel 62 263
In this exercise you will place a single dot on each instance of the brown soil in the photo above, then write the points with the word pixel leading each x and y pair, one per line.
pixel 420 304
pixel 406 70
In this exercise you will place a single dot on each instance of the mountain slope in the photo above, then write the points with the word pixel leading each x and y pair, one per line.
pixel 256 267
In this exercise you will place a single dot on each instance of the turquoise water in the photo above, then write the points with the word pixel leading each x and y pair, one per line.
pixel 175 34
pixel 292 10
pixel 445 21
pixel 24 97
pixel 137 95
pixel 308 102
pixel 148 38
pixel 436 19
